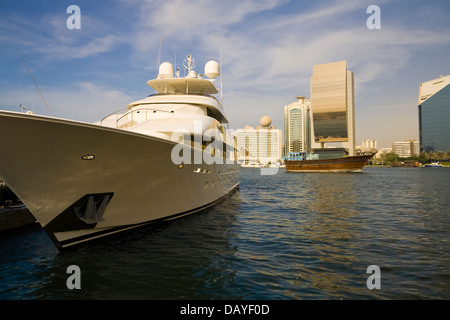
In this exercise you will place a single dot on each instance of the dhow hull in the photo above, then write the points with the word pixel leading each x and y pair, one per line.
pixel 83 181
pixel 343 164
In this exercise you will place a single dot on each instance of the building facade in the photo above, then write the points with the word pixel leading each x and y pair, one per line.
pixel 405 149
pixel 297 126
pixel 332 106
pixel 367 146
pixel 434 115
pixel 260 146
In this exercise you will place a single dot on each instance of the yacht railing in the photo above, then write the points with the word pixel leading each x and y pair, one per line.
pixel 116 113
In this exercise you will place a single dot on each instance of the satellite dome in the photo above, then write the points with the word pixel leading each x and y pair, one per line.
pixel 212 69
pixel 265 121
pixel 166 70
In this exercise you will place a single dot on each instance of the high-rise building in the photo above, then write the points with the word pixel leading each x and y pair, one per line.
pixel 332 106
pixel 405 149
pixel 434 114
pixel 369 144
pixel 259 146
pixel 297 126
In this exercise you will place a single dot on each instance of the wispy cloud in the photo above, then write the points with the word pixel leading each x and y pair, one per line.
pixel 281 46
pixel 182 20
pixel 50 37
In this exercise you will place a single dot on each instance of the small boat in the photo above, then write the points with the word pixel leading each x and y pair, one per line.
pixel 433 165
pixel 307 163
pixel 406 164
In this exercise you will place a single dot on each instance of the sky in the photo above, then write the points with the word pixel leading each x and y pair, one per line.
pixel 267 50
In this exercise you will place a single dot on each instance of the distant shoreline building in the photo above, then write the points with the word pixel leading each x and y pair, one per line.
pixel 333 109
pixel 406 149
pixel 382 151
pixel 434 114
pixel 367 146
pixel 297 126
pixel 259 146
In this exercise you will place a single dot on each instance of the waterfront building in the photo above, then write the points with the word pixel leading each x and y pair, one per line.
pixel 434 114
pixel 382 151
pixel 333 109
pixel 259 146
pixel 297 126
pixel 367 146
pixel 407 148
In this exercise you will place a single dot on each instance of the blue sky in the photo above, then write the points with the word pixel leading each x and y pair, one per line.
pixel 269 48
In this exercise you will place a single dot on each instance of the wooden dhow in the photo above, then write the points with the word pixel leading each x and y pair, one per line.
pixel 340 164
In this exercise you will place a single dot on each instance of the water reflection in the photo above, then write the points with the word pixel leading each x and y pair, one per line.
pixel 288 236
pixel 25 255
pixel 331 228
pixel 183 259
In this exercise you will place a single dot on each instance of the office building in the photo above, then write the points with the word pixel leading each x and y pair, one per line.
pixel 332 108
pixel 434 115
pixel 407 148
pixel 297 126
pixel 367 146
pixel 259 146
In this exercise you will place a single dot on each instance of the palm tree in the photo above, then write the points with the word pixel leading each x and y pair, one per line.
pixel 423 156
pixel 440 155
pixel 447 155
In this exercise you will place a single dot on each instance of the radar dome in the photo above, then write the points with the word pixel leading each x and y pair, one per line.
pixel 265 121
pixel 212 69
pixel 166 70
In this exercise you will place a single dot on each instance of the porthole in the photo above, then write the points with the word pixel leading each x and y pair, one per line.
pixel 88 157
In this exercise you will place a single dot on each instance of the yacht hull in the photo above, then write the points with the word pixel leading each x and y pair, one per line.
pixel 83 181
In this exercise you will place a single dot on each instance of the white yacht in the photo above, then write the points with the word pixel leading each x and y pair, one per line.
pixel 161 158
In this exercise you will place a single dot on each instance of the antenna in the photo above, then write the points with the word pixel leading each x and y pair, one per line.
pixel 42 96
pixel 221 75
pixel 189 63
pixel 158 61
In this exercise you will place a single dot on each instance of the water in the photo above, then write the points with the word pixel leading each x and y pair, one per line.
pixel 288 236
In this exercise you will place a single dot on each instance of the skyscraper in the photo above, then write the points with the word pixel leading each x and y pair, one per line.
pixel 332 106
pixel 434 114
pixel 297 129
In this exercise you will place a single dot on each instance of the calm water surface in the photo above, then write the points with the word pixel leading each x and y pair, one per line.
pixel 286 236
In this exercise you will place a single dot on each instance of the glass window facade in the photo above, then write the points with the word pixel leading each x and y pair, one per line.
pixel 329 91
pixel 297 127
pixel 434 122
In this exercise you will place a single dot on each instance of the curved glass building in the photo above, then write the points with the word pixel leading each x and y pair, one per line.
pixel 434 115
